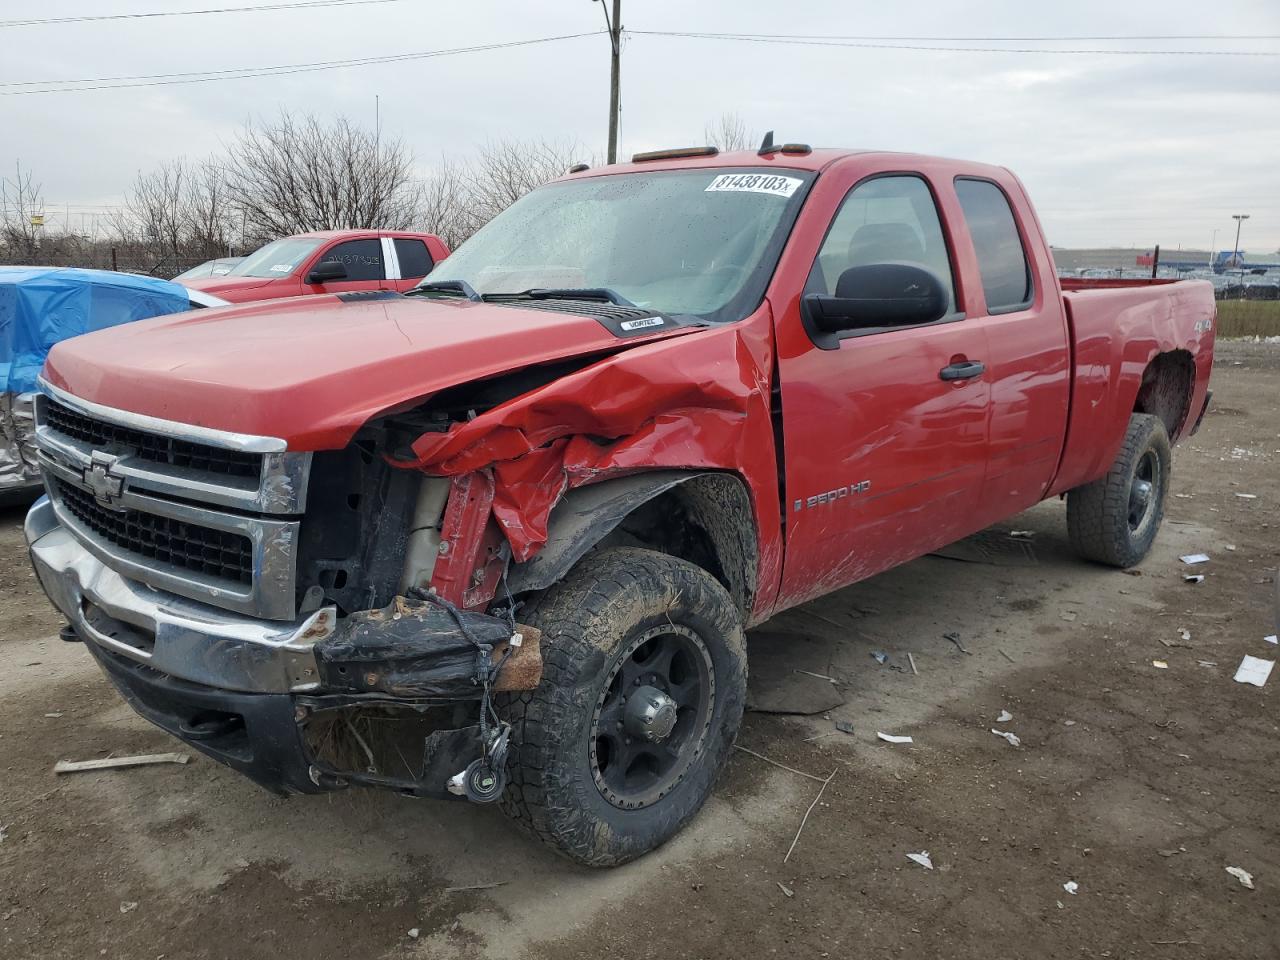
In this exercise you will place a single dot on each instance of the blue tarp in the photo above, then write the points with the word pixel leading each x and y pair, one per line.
pixel 40 306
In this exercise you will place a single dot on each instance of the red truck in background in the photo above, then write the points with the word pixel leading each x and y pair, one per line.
pixel 529 508
pixel 328 261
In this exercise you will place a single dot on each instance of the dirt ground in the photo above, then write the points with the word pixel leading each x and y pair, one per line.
pixel 1139 784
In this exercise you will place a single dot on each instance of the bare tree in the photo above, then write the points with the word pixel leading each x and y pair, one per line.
pixel 21 207
pixel 730 132
pixel 446 203
pixel 300 174
pixel 505 170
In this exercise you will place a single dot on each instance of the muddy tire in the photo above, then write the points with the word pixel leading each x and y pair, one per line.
pixel 1114 520
pixel 643 684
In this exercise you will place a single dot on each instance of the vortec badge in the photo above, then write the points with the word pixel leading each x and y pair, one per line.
pixel 102 483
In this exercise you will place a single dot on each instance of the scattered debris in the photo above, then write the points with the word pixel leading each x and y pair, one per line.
pixel 1207 663
pixel 912 660
pixel 1244 876
pixel 413 933
pixel 1231 547
pixel 1005 717
pixel 1007 657
pixel 921 858
pixel 1193 577
pixel 52 716
pixel 1160 664
pixel 1132 572
pixel 1011 737
pixel 1270 639
pixel 890 738
pixel 1068 723
pixel 1071 887
pixel 142 760
pixel 955 638
pixel 128 906
pixel 1247 496
pixel 4 833
pixel 476 886
pixel 1184 633
pixel 880 656
pixel 1193 558
pixel 1022 534
pixel 1183 496
pixel 1254 670
pixel 780 766
pixel 805 818
pixel 820 676
pixel 786 891
pixel 1068 615
pixel 1171 852
pixel 844 726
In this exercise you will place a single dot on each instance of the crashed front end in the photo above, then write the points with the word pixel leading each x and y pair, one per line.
pixel 270 607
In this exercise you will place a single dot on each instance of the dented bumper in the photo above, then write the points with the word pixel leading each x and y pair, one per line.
pixel 242 690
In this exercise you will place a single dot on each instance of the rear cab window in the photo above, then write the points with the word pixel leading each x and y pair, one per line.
pixel 414 259
pixel 1002 259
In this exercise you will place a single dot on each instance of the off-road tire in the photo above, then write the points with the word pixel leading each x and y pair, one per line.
pixel 587 620
pixel 1098 513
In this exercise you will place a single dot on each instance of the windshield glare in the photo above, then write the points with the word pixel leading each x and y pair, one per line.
pixel 277 259
pixel 700 242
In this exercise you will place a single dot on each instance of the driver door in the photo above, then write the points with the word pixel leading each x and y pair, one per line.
pixel 884 458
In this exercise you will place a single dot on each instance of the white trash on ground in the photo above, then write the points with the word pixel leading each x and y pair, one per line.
pixel 921 858
pixel 1005 717
pixel 1191 558
pixel 1011 737
pixel 1244 876
pixel 1071 887
pixel 1254 670
pixel 890 738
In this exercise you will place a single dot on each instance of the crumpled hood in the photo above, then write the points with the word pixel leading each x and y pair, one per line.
pixel 312 370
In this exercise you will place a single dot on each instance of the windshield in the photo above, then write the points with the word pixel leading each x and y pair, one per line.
pixel 277 259
pixel 700 242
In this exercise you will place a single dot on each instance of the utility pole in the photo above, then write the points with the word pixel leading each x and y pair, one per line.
pixel 1239 218
pixel 615 43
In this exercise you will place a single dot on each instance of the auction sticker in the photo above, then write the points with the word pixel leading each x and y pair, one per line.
pixel 754 183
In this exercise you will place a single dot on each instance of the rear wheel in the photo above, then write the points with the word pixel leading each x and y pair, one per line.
pixel 1114 520
pixel 644 678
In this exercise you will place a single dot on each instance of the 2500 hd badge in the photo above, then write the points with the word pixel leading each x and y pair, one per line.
pixel 831 496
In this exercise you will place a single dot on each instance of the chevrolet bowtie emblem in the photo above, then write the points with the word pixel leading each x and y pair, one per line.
pixel 102 483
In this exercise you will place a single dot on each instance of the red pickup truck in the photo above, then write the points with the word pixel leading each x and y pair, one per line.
pixel 528 509
pixel 328 261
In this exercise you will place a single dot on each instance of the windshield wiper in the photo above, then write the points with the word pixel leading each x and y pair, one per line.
pixel 447 286
pixel 595 294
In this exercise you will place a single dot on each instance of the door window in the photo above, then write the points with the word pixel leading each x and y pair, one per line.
pixel 414 259
pixel 1006 278
pixel 362 258
pixel 884 220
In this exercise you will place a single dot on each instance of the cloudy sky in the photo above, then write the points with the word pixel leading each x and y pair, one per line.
pixel 1116 150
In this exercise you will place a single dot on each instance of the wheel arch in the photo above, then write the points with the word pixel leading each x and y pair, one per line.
pixel 1166 390
pixel 704 517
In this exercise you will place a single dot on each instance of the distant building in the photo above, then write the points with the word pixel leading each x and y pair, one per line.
pixel 1130 258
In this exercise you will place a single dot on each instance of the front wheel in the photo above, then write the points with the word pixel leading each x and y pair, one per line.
pixel 644 679
pixel 1114 520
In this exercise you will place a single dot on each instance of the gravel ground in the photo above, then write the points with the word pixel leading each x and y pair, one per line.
pixel 1140 785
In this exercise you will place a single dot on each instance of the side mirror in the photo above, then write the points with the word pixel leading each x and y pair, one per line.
pixel 327 271
pixel 877 295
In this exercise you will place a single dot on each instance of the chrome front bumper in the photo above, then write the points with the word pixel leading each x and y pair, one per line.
pixel 176 636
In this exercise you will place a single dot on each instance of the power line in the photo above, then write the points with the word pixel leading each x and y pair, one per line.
pixel 309 4
pixel 241 73
pixel 878 37
pixel 815 42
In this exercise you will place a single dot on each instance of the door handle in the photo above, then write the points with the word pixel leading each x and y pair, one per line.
pixel 965 370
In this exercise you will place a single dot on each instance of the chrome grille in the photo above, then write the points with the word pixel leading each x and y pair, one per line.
pixel 189 546
pixel 205 514
pixel 152 447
